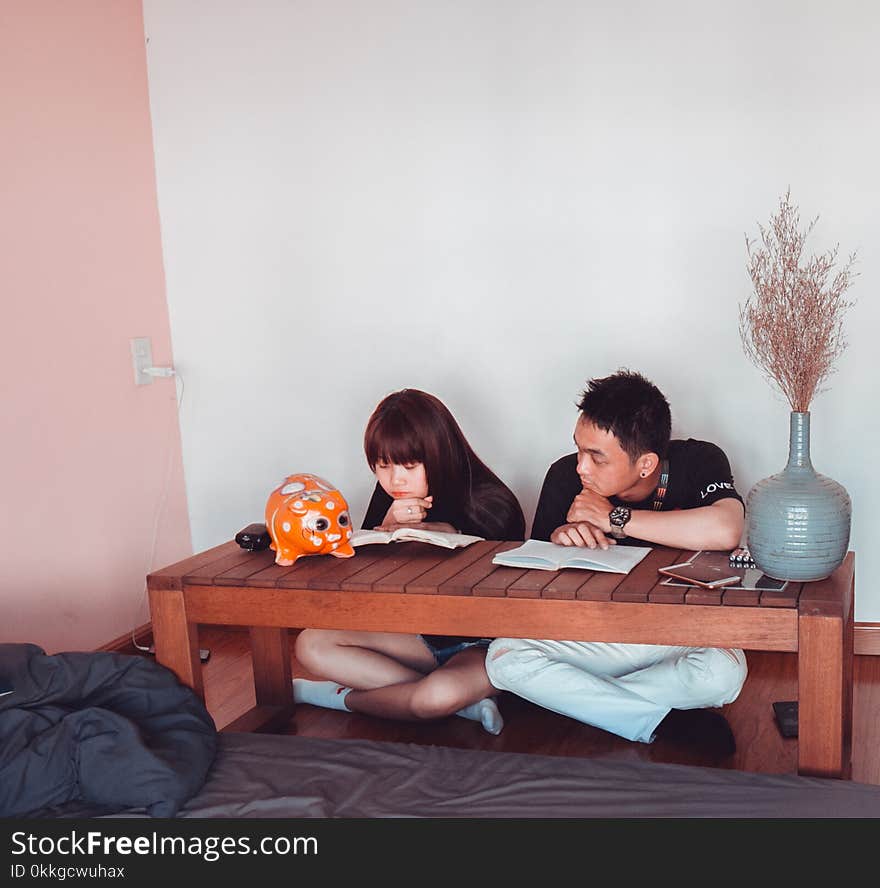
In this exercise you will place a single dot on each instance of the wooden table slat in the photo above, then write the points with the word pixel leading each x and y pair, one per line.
pixel 205 574
pixel 699 595
pixel 564 584
pixel 639 582
pixel 268 577
pixel 171 577
pixel 305 570
pixel 787 597
pixel 532 583
pixel 740 597
pixel 464 581
pixel 255 563
pixel 309 572
pixel 497 583
pixel 426 558
pixel 398 555
pixel 346 568
pixel 670 594
pixel 429 582
pixel 598 587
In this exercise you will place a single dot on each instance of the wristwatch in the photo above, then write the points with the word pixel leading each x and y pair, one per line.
pixel 618 517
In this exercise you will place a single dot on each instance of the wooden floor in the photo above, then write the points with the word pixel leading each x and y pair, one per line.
pixel 772 676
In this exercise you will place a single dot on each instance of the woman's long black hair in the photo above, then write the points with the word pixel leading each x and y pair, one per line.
pixel 412 426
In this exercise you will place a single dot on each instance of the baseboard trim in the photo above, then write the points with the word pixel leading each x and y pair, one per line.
pixel 866 639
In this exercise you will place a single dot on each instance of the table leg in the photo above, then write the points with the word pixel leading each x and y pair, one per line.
pixel 176 640
pixel 825 664
pixel 270 649
pixel 271 656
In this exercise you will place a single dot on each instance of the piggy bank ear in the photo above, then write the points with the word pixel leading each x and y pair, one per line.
pixel 345 550
pixel 291 487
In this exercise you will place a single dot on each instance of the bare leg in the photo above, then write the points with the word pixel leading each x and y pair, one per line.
pixel 394 676
pixel 460 681
pixel 364 660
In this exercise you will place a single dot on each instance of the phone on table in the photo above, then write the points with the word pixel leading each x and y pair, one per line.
pixel 710 576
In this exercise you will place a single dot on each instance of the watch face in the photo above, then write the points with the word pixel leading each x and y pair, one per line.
pixel 619 516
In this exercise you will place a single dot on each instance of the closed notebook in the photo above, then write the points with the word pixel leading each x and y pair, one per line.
pixel 413 535
pixel 549 556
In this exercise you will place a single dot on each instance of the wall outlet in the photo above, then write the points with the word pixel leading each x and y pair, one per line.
pixel 141 357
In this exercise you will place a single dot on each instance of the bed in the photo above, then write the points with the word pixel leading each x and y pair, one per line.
pixel 100 734
pixel 284 776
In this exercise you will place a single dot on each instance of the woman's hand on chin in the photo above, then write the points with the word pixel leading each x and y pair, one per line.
pixel 407 510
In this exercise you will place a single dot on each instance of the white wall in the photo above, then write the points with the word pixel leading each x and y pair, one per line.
pixel 494 201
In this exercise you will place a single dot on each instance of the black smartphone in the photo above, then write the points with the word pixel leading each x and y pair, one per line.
pixel 786 713
pixel 765 582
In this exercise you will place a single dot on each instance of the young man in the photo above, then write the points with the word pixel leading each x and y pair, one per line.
pixel 629 484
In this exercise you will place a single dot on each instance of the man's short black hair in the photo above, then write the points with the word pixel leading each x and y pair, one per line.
pixel 633 409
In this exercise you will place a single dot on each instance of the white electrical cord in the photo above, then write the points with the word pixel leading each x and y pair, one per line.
pixel 178 384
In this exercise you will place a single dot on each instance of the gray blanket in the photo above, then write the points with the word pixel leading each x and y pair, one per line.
pixel 108 730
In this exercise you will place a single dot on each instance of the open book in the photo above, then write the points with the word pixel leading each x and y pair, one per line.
pixel 549 556
pixel 412 535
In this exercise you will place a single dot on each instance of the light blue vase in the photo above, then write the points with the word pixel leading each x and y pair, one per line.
pixel 798 520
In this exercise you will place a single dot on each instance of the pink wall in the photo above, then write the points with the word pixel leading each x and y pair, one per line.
pixel 84 452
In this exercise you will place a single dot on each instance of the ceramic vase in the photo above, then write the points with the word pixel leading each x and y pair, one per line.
pixel 798 520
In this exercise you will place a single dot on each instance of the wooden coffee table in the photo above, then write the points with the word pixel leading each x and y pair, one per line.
pixel 416 587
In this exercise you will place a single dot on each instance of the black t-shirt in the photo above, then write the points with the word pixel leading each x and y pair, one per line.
pixel 699 475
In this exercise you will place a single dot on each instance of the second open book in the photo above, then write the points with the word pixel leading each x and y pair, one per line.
pixel 549 556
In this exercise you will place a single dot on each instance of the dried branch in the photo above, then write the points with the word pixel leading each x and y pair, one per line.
pixel 792 326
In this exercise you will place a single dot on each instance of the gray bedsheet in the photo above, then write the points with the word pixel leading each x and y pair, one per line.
pixel 262 776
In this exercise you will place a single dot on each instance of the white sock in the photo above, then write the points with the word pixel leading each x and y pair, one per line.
pixel 329 694
pixel 486 713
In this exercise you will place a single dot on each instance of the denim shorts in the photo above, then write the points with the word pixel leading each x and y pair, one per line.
pixel 445 646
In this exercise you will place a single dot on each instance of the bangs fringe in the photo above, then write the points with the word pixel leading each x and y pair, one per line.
pixel 392 438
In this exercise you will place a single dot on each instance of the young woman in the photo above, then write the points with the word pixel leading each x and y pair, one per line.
pixel 428 476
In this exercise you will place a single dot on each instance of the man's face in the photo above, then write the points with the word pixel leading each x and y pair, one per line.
pixel 602 464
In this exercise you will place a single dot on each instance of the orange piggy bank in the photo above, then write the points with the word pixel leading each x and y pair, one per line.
pixel 307 515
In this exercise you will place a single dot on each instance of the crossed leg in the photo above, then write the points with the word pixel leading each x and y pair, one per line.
pixel 394 675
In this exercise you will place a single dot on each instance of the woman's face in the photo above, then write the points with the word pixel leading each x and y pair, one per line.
pixel 402 481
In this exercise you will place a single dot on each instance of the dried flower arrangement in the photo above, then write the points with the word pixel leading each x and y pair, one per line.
pixel 792 326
